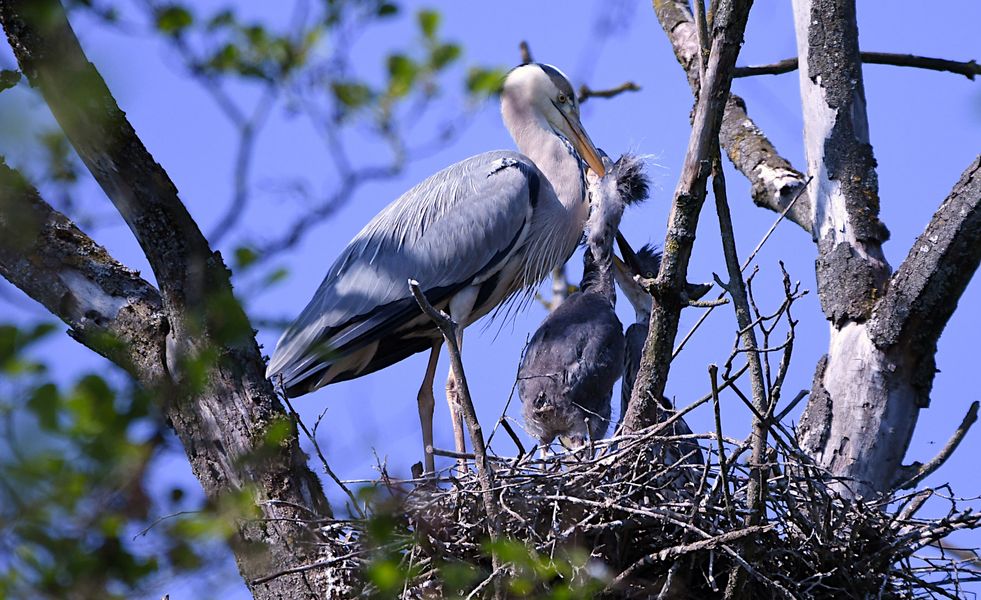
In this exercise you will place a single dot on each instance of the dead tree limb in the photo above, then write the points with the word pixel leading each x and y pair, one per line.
pixel 968 69
pixel 774 181
pixel 689 196
pixel 222 424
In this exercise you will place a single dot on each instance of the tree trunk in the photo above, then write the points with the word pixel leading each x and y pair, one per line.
pixel 869 388
pixel 224 417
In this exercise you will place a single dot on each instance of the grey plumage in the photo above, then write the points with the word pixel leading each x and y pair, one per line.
pixel 566 377
pixel 364 301
pixel 646 262
pixel 473 235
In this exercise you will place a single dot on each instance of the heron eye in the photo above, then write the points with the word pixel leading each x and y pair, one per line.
pixel 562 99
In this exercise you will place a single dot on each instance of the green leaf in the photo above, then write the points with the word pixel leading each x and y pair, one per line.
pixel 484 82
pixel 8 79
pixel 173 19
pixel 245 257
pixel 222 18
pixel 443 55
pixel 402 72
pixel 276 276
pixel 44 403
pixel 351 94
pixel 225 59
pixel 429 23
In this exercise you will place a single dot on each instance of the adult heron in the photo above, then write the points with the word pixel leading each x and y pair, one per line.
pixel 474 235
pixel 566 377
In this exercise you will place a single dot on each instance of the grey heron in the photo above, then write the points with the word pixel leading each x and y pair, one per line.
pixel 474 235
pixel 566 377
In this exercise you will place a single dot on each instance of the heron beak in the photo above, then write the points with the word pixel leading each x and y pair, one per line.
pixel 584 145
pixel 629 256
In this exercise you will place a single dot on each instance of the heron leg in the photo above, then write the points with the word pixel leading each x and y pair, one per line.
pixel 427 403
pixel 456 413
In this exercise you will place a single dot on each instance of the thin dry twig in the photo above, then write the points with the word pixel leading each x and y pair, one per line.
pixel 920 472
pixel 586 92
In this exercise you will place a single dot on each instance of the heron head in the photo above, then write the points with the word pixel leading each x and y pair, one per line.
pixel 546 92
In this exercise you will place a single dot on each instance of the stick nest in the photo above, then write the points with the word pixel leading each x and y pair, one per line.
pixel 659 515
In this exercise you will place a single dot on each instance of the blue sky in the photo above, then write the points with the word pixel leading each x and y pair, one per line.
pixel 925 128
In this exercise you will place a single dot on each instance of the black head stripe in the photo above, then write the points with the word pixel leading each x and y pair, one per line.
pixel 558 79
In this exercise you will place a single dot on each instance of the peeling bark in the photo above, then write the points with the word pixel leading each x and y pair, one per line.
pixel 880 365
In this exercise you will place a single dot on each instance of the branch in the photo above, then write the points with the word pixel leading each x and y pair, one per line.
pixel 923 293
pixel 688 199
pixel 108 307
pixel 968 69
pixel 585 92
pixel 774 181
pixel 920 472
pixel 223 424
pixel 736 287
pixel 449 330
pixel 50 56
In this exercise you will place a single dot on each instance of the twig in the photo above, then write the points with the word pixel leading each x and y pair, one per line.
pixel 514 437
pixel 786 411
pixel 316 446
pixel 968 69
pixel 675 551
pixel 924 470
pixel 736 287
pixel 714 378
pixel 708 303
pixel 746 263
pixel 449 328
pixel 525 52
pixel 585 92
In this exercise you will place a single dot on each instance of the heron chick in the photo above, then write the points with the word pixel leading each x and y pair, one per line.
pixel 474 235
pixel 645 264
pixel 566 377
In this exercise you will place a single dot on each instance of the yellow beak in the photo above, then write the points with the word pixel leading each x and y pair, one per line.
pixel 584 145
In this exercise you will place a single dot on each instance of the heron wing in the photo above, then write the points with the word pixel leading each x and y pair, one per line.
pixel 454 229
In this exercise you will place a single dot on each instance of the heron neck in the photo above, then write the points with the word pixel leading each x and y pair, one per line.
pixel 554 156
pixel 597 275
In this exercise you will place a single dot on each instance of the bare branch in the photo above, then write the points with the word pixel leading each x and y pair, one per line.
pixel 449 330
pixel 736 286
pixel 109 307
pixel 968 69
pixel 923 293
pixel 774 181
pixel 688 199
pixel 585 92
pixel 922 471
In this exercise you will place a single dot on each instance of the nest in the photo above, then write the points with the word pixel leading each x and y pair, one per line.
pixel 659 515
